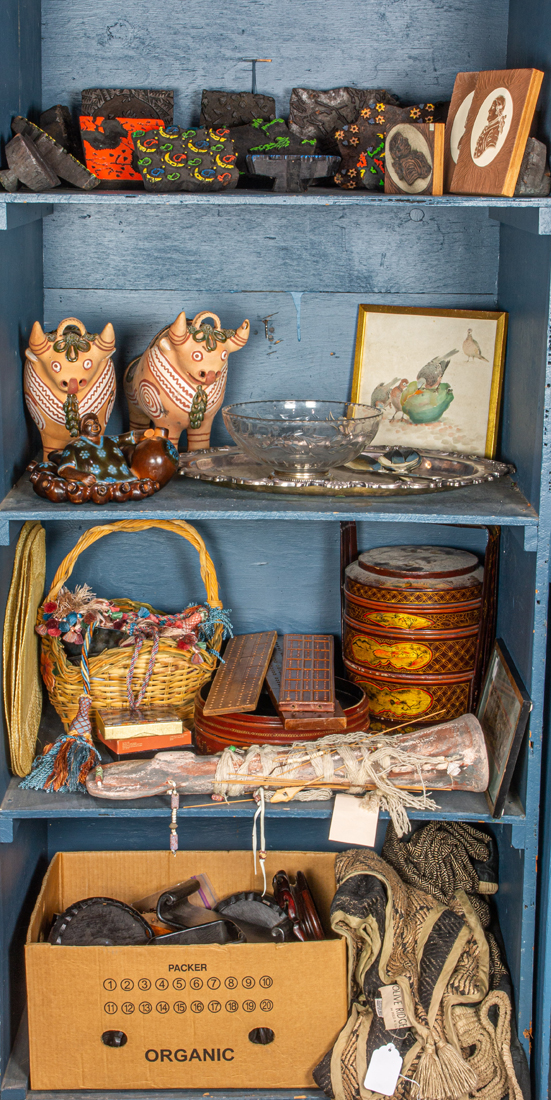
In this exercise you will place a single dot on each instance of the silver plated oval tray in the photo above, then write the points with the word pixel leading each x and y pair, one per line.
pixel 436 472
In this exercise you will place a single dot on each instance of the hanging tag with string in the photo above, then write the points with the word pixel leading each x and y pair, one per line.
pixel 260 816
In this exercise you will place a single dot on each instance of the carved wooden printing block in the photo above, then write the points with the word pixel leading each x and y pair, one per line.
pixel 264 137
pixel 361 144
pixel 318 114
pixel 28 165
pixel 225 109
pixel 58 123
pixel 56 157
pixel 173 159
pixel 129 103
pixel 293 172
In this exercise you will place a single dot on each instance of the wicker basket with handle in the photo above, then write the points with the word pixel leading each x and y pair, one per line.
pixel 174 681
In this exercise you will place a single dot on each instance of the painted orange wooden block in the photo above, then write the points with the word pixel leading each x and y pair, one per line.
pixel 108 145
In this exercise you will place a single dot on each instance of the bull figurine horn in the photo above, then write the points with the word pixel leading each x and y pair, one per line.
pixel 178 333
pixel 240 339
pixel 38 341
pixel 106 340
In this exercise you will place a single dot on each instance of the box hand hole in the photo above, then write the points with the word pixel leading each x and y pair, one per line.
pixel 118 1038
pixel 262 1035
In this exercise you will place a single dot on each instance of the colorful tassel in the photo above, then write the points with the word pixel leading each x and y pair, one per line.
pixel 64 764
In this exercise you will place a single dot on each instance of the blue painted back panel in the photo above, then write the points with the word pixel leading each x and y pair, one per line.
pixel 274 576
pixel 205 249
pixel 320 365
pixel 413 50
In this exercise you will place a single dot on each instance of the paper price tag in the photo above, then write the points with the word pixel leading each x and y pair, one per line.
pixel 393 1011
pixel 383 1070
pixel 351 824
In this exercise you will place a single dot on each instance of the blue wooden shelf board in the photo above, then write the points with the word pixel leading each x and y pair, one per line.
pixel 23 804
pixel 318 196
pixel 498 502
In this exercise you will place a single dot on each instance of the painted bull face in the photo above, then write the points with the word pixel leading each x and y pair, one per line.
pixel 200 350
pixel 70 358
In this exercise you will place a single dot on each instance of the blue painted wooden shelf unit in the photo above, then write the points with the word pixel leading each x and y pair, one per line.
pixel 307 261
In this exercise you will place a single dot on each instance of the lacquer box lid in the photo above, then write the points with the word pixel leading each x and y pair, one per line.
pixel 433 567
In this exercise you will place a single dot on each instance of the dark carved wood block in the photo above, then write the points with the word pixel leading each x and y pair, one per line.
pixel 129 103
pixel 185 160
pixel 58 159
pixel 228 109
pixel 362 143
pixel 294 172
pixel 316 114
pixel 58 123
pixel 29 167
pixel 534 177
pixel 268 138
pixel 8 179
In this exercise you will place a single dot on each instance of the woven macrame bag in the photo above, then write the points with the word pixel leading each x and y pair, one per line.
pixel 454 1034
pixel 174 680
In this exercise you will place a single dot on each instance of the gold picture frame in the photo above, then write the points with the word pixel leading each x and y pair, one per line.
pixel 393 349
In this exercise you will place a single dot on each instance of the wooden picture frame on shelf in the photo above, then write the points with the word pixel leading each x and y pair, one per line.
pixel 437 374
pixel 497 129
pixel 414 159
pixel 456 122
pixel 503 713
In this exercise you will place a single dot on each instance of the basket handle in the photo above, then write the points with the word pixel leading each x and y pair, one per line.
pixel 177 526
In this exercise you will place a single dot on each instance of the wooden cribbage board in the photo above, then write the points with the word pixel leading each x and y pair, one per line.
pixel 302 721
pixel 238 682
pixel 307 674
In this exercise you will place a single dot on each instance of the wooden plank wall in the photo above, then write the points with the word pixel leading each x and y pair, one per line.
pixel 414 48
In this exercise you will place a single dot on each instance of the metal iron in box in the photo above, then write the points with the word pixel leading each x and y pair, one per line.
pixel 412 620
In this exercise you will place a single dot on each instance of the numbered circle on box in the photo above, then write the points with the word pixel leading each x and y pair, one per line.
pixel 214 983
pixel 196 983
pixel 180 1007
pixel 110 1008
pixel 265 981
pixel 127 984
pixel 214 1006
pixel 231 983
pixel 110 984
pixel 248 982
pixel 144 984
pixel 145 1007
pixel 197 1006
pixel 267 1005
pixel 127 1008
pixel 249 1006
pixel 231 1006
pixel 179 983
pixel 162 1006
pixel 161 983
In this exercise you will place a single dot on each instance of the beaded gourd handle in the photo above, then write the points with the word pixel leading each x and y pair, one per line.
pixel 177 526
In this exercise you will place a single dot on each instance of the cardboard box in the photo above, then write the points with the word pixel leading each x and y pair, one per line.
pixel 187 1012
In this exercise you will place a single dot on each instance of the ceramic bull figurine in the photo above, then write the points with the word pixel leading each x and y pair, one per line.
pixel 68 373
pixel 180 380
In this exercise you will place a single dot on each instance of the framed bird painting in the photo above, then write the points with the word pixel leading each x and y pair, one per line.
pixel 435 373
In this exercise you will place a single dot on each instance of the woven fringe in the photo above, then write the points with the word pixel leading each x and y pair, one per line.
pixel 442 1074
pixel 65 764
